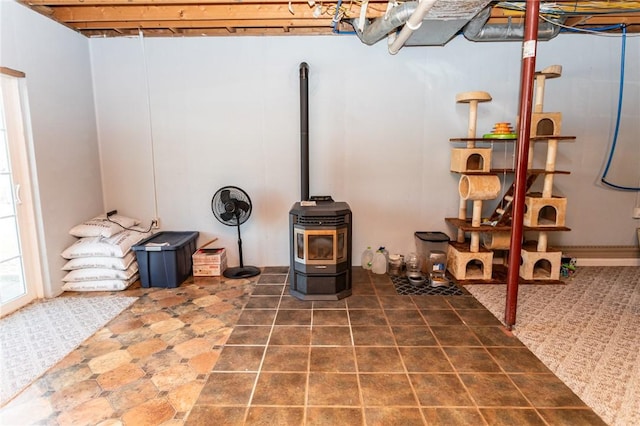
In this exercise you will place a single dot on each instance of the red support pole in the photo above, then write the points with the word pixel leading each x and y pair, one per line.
pixel 529 47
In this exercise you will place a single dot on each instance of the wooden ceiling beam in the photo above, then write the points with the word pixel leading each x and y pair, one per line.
pixel 223 23
pixel 185 13
pixel 261 31
pixel 215 32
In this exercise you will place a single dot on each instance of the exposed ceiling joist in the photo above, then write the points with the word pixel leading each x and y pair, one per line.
pixel 171 14
pixel 176 26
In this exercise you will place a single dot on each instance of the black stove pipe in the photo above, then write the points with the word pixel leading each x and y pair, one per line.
pixel 304 131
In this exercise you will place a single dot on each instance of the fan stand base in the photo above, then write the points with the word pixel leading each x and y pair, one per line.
pixel 238 272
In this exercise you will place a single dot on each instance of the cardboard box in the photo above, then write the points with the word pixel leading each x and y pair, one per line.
pixel 209 261
pixel 211 270
pixel 209 254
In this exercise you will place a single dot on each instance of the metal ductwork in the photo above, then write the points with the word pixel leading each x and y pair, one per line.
pixel 478 30
pixel 444 21
pixel 378 29
pixel 434 22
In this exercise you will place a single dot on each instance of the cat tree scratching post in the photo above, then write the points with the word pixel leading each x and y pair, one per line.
pixel 553 71
pixel 544 209
pixel 543 212
pixel 470 158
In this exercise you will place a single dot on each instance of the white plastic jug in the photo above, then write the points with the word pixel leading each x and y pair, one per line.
pixel 379 263
pixel 367 258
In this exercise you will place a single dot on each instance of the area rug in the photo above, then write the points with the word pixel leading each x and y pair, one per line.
pixel 36 337
pixel 587 332
pixel 404 287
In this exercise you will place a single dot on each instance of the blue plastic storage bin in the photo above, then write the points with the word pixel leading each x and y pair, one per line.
pixel 164 259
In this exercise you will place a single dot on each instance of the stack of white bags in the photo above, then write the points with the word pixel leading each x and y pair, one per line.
pixel 102 258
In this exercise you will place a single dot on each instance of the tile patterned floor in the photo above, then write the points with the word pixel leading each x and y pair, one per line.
pixel 244 352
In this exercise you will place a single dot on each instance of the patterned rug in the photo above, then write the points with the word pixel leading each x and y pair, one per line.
pixel 36 337
pixel 404 287
pixel 587 332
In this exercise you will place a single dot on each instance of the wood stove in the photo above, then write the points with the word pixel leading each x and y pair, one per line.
pixel 320 250
pixel 319 229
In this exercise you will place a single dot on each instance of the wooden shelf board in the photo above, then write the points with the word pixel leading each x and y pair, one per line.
pixel 553 138
pixel 465 225
pixel 532 138
pixel 502 171
pixel 464 247
pixel 499 276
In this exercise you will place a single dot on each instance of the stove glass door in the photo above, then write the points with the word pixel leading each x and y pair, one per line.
pixel 320 246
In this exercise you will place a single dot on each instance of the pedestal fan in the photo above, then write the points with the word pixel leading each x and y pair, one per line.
pixel 232 207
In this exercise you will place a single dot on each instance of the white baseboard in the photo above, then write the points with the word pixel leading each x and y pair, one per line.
pixel 603 255
pixel 586 261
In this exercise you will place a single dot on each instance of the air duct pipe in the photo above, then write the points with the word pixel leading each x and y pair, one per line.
pixel 412 24
pixel 381 27
pixel 478 30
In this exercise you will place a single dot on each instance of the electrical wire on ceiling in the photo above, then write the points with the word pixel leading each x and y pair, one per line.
pixel 556 10
pixel 599 31
pixel 340 12
pixel 577 8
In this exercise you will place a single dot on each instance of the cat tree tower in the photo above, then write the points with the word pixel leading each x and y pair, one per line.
pixel 471 260
pixel 544 212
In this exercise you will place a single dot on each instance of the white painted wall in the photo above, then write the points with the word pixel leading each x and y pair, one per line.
pixel 64 138
pixel 225 111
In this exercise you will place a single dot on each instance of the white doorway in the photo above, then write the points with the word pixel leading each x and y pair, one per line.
pixel 20 272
